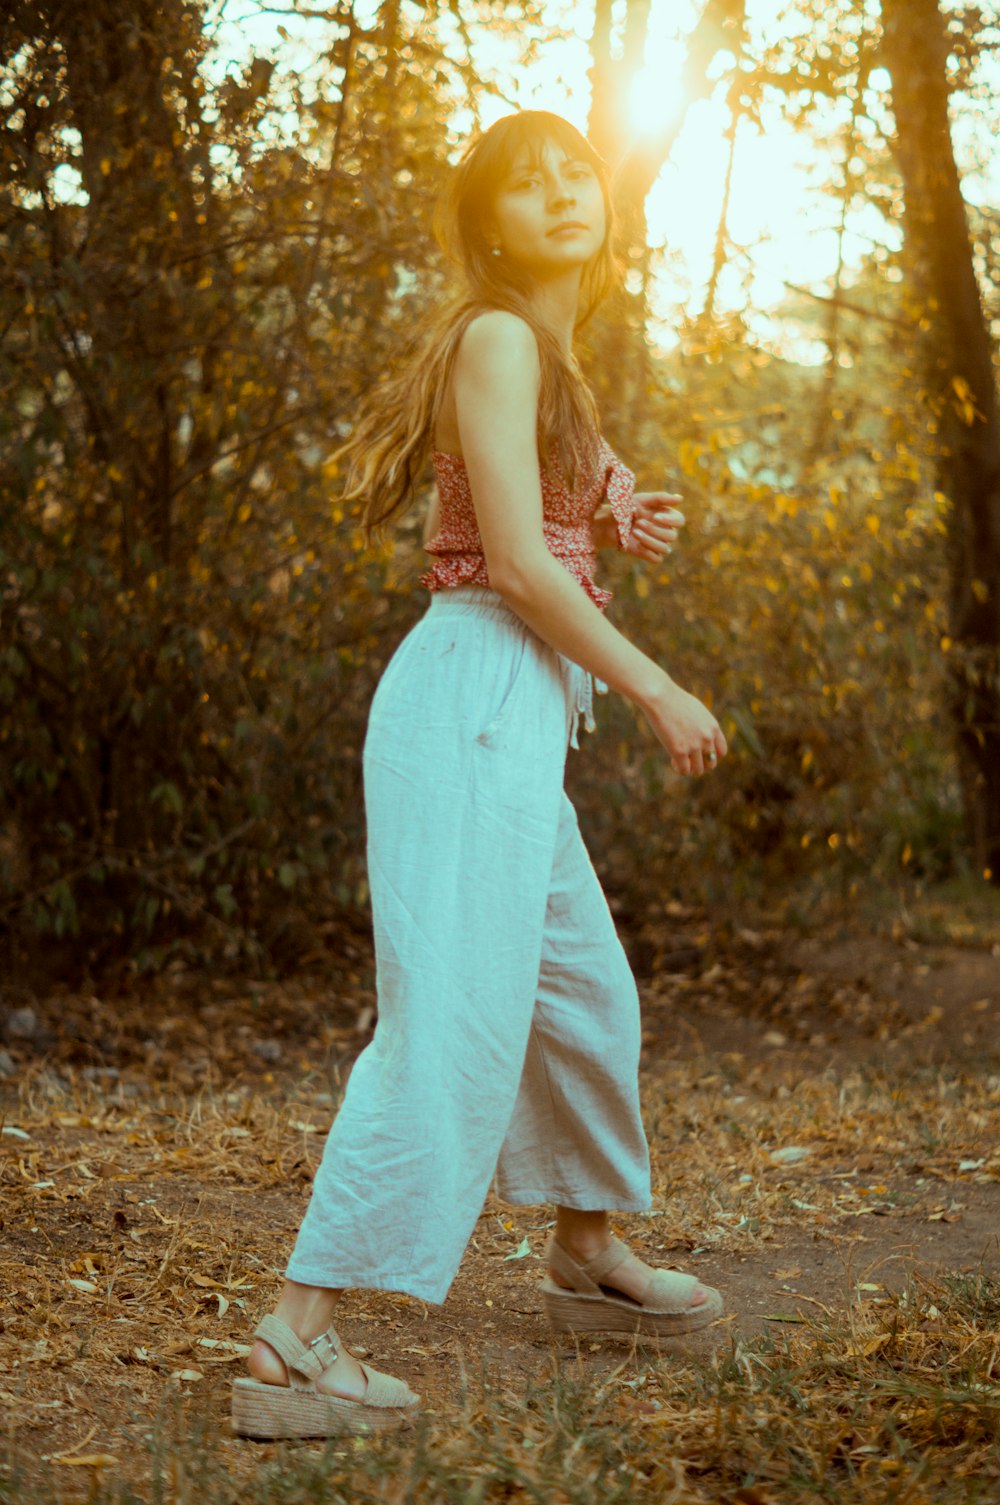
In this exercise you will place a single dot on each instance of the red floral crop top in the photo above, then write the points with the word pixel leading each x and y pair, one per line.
pixel 566 521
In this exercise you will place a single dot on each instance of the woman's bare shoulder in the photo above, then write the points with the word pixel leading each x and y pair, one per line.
pixel 497 359
pixel 498 337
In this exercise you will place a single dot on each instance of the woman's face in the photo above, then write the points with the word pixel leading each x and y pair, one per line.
pixel 548 214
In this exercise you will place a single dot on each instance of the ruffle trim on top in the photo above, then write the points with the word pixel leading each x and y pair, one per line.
pixel 619 492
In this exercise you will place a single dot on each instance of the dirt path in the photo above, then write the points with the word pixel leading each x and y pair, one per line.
pixel 825 1132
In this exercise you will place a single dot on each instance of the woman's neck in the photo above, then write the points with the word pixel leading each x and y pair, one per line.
pixel 556 304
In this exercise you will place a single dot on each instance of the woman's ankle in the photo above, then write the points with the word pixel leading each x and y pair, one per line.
pixel 582 1234
pixel 308 1310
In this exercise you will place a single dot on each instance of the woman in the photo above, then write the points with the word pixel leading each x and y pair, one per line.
pixel 508 1024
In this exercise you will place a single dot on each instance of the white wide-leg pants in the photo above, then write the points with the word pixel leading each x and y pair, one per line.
pixel 508 1032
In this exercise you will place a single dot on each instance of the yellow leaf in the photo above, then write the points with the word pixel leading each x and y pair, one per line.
pixel 980 590
pixel 89 1460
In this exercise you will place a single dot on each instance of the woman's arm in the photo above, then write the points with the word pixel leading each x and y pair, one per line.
pixel 497 377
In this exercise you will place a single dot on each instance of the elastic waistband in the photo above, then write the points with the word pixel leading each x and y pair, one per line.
pixel 472 600
pixel 479 600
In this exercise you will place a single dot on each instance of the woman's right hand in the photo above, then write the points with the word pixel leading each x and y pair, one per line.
pixel 686 728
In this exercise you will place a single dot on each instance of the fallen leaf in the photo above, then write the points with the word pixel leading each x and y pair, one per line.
pixel 89 1460
pixel 230 1343
pixel 790 1154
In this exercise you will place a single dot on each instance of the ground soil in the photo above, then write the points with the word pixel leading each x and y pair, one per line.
pixel 141 1228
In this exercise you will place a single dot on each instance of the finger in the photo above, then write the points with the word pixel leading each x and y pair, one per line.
pixel 651 549
pixel 657 529
pixel 682 764
pixel 697 765
pixel 711 758
pixel 721 745
pixel 659 536
pixel 660 517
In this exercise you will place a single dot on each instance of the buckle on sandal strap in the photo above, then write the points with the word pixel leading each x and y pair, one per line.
pixel 332 1351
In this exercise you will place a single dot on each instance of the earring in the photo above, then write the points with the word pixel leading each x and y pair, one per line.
pixel 495 251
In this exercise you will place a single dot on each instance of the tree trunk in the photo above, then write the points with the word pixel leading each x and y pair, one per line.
pixel 961 375
pixel 618 340
pixel 637 159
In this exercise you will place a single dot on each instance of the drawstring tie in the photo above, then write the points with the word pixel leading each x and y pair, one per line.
pixel 583 701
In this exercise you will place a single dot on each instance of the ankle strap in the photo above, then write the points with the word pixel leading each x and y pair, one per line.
pixel 304 1362
pixel 326 1347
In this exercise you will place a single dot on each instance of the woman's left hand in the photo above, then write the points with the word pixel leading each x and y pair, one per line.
pixel 655 525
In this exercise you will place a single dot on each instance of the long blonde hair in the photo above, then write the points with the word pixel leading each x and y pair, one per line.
pixel 387 452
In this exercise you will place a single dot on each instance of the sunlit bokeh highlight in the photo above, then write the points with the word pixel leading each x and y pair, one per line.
pixel 782 224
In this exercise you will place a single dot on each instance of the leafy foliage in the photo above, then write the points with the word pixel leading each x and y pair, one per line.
pixel 189 624
pixel 199 277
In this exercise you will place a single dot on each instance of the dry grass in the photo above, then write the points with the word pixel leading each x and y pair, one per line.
pixel 148 1209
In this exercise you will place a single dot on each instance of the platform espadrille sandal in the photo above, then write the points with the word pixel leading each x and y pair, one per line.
pixel 591 1306
pixel 298 1409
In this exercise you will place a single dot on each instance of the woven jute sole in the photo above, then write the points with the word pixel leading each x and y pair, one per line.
pixel 260 1410
pixel 568 1311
